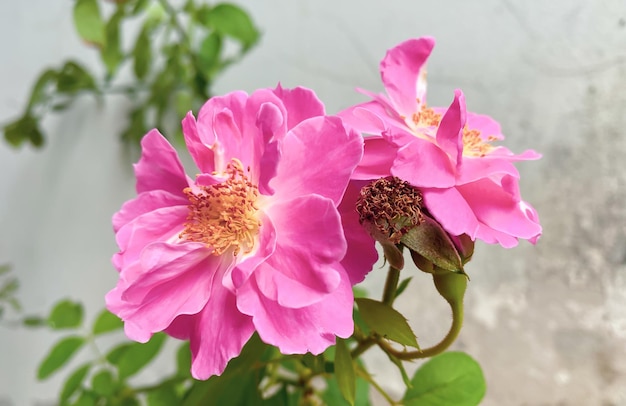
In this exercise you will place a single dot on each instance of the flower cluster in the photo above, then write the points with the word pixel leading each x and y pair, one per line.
pixel 267 237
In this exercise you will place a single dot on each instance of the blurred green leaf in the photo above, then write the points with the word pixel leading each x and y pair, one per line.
pixel 163 396
pixel 34 321
pixel 24 129
pixel 45 81
pixel 344 371
pixel 103 383
pixel 73 77
pixel 139 6
pixel 59 355
pixel 238 384
pixel 106 322
pixel 451 378
pixel 86 398
pixel 5 268
pixel 183 359
pixel 332 395
pixel 228 19
pixel 155 15
pixel 88 22
pixel 9 287
pixel 73 382
pixel 66 314
pixel 142 54
pixel 209 55
pixel 138 355
pixel 112 54
pixel 386 321
pixel 402 286
pixel 115 355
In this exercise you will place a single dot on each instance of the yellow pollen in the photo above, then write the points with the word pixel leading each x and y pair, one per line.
pixel 474 144
pixel 223 216
pixel 426 117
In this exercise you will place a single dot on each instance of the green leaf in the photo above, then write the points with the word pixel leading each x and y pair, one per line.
pixel 139 6
pixel 34 321
pixel 103 383
pixel 402 286
pixel 45 80
pixel 86 398
pixel 112 54
pixel 344 370
pixel 106 322
pixel 115 355
pixel 238 384
pixel 9 287
pixel 88 22
pixel 359 291
pixel 231 20
pixel 24 129
pixel 183 359
pixel 386 321
pixel 73 382
pixel 60 354
pixel 332 395
pixel 66 314
pixel 163 396
pixel 138 355
pixel 451 378
pixel 209 55
pixel 73 77
pixel 142 54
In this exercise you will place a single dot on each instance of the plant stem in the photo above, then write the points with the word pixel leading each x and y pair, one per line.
pixel 172 14
pixel 453 333
pixel 391 284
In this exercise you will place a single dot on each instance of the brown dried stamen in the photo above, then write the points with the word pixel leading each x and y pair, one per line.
pixel 223 216
pixel 390 207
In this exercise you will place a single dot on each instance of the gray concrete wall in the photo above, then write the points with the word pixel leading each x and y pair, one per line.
pixel 547 323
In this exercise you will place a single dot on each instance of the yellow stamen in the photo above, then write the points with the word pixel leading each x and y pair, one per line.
pixel 426 117
pixel 223 216
pixel 474 144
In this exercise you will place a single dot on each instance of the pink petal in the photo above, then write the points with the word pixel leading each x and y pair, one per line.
pixel 402 71
pixel 219 333
pixel 309 243
pixel 488 127
pixel 451 210
pixel 176 279
pixel 200 142
pixel 424 164
pixel 158 225
pixel 361 251
pixel 301 103
pixel 450 131
pixel 318 156
pixel 159 167
pixel 265 248
pixel 500 210
pixel 378 157
pixel 367 118
pixel 297 331
pixel 144 203
pixel 475 168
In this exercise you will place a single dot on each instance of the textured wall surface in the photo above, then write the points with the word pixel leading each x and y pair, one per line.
pixel 547 323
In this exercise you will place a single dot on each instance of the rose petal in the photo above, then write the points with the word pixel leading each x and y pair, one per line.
pixel 144 203
pixel 159 167
pixel 424 164
pixel 323 154
pixel 297 331
pixel 451 210
pixel 301 103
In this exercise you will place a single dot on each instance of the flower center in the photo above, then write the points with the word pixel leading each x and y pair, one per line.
pixel 426 117
pixel 223 216
pixel 474 144
pixel 389 207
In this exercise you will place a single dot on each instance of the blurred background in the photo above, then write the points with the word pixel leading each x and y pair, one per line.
pixel 547 322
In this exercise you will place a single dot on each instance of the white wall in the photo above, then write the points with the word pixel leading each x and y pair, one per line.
pixel 548 323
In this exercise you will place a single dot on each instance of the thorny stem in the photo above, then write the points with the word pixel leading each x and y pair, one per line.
pixel 453 333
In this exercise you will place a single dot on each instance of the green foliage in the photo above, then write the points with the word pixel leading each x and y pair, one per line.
pixel 66 314
pixel 135 356
pixel 106 322
pixel 344 370
pixel 73 382
pixel 60 354
pixel 452 378
pixel 176 57
pixel 386 321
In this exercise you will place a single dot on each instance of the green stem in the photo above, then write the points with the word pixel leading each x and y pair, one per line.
pixel 172 14
pixel 391 284
pixel 453 333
